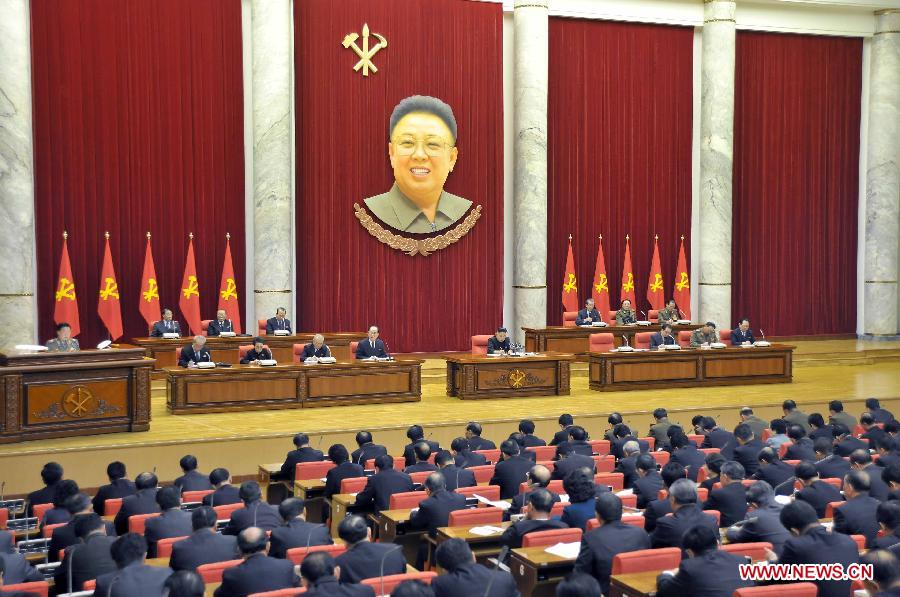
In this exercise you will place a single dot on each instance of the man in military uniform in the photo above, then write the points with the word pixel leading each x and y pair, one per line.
pixel 660 430
pixel 625 315
pixel 669 314
pixel 499 342
pixel 64 342
pixel 219 324
pixel 704 335
pixel 259 352
pixel 755 423
pixel 317 348
pixel 588 315
pixel 166 325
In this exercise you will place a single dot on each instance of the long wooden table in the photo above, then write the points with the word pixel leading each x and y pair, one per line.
pixel 252 387
pixel 63 394
pixel 639 370
pixel 576 339
pixel 480 376
pixel 537 572
pixel 227 350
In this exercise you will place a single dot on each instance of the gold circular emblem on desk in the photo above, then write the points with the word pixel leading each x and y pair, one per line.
pixel 516 378
pixel 77 401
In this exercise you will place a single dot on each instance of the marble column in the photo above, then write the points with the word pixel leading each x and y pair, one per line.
pixel 716 155
pixel 883 179
pixel 17 304
pixel 530 183
pixel 272 48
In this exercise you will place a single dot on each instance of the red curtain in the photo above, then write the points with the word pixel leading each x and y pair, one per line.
pixel 451 49
pixel 619 144
pixel 138 125
pixel 796 168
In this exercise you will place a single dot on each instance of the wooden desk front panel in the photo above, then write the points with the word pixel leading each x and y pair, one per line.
pixel 745 366
pixel 475 376
pixel 362 383
pixel 576 340
pixel 276 387
pixel 664 371
pixel 537 375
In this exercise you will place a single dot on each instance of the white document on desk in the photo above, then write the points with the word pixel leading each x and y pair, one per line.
pixel 485 531
pixel 500 504
pixel 568 551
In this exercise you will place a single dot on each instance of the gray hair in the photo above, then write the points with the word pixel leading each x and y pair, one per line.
pixel 373 328
pixel 427 105
pixel 683 491
pixel 318 338
pixel 199 340
pixel 734 470
pixel 760 493
pixel 631 447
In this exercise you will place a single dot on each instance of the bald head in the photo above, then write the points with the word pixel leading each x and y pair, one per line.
pixel 252 540
pixel 540 475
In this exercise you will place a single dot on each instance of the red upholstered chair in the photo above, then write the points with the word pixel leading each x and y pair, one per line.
pixel 796 589
pixel 829 509
pixel 710 450
pixel 406 500
pixel 684 339
pixel 164 546
pixel 754 551
pixel 646 560
pixel 642 339
pixel 261 327
pixel 616 480
pixel 860 541
pixel 353 346
pixel 635 520
pixel 551 537
pixel 612 317
pixel 702 494
pixel 483 473
pixel 696 438
pixel 653 314
pixel 543 452
pixel 491 492
pixel 702 475
pixel 213 572
pixel 475 516
pixel 715 514
pixel 399 463
pixel 48 530
pixel 492 456
pixel 629 501
pixel 651 442
pixel 858 430
pixel 744 482
pixel 569 318
pixel 479 344
pixel 281 593
pixel 783 448
pixel 4 517
pixel 298 554
pixel 353 484
pixel 766 434
pixel 557 509
pixel 661 457
pixel 41 588
pixel 601 342
pixel 547 463
pixel 177 355
pixel 195 496
pixel 89 585
pixel 204 326
pixel 725 337
pixel 420 476
pixel 224 511
pixel 112 506
pixel 39 511
pixel 834 482
pixel 312 470
pixel 556 486
pixel 385 585
pixel 605 463
pixel 599 446
pixel 594 523
pixel 137 523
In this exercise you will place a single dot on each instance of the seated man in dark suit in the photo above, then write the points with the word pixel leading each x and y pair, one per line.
pixel 888 454
pixel 802 448
pixel 748 448
pixel 589 315
pixel 372 347
pixel 879 414
pixel 687 455
pixel 526 428
pixel 476 442
pixel 538 478
pixel 220 324
pixel 258 572
pixel 762 522
pixel 225 493
pixel 296 532
pixel 844 442
pixel 830 466
pixel 623 434
pixel 648 483
pixel 196 353
pixel 133 578
pixel 539 503
pixel 813 544
pixel 577 442
pixel 318 574
pixel 255 513
pixel 708 570
pixel 142 502
pixel 861 460
pixel 523 447
pixel 499 342
pixel 713 466
pixel 569 461
pixel 192 479
pixel 204 545
pixel 87 559
pixel 14 570
pixel 166 325
pixel 565 421
pixel 317 348
pixel 172 521
pixel 816 493
pixel 382 485
pixel 731 499
pixel 259 352
pixel 888 516
pixel 511 471
pixel 777 473
pixel 742 334
pixel 818 428
pixel 279 322
pixel 871 433
pixel 422 452
pixel 302 453
pixel 184 583
pixel 686 514
pixel 119 486
pixel 465 577
pixel 364 559
pixel 454 476
pixel 434 511
pixel 62 537
pixel 344 469
pixel 716 437
pixel 463 455
pixel 600 545
pixel 368 449
pixel 656 509
pixel 627 465
pixel 416 434
pixel 857 515
pixel 662 338
pixel 51 475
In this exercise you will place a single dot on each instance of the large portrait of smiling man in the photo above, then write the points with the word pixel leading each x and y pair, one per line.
pixel 422 150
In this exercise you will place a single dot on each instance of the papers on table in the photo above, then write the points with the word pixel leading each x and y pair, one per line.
pixel 327 360
pixel 486 531
pixel 784 500
pixel 499 504
pixel 568 551
pixel 282 333
pixel 494 354
pixel 828 525
pixel 227 334
pixel 717 345
pixel 625 492
pixel 171 335
pixel 206 365
pixel 268 362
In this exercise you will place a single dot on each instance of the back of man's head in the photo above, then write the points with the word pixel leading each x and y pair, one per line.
pixel 768 455
pixel 385 462
pixel 249 492
pixel 87 524
pixel 168 498
pixel 743 432
pixel 858 480
pixel 861 457
pixel 51 473
pixel 540 500
pixel 435 482
pixel 645 462
pixel 872 404
pixel 184 583
pixel 714 462
pixel 338 454
pixel 888 514
pixel 798 515
pixel 631 447
pixel 412 588
pixel 540 475
pixel 526 426
pixel 779 426
pixel 80 502
pixel 708 423
pixel 733 470
pixel 788 405
pixel 805 471
pixel 474 428
pixel 823 445
pixel 301 439
pixel 621 430
pixel 839 430
pixel 415 433
pixel 453 554
pixel 519 438
pixel 509 447
pixel 565 419
pixel 363 437
pixel 578 434
pixel 672 472
pixel 422 451
pixel 578 584
pixel 760 494
pixel 683 491
pixel 609 507
pixel 317 565
pixel 815 420
pixel 614 418
pixel 796 432
pixel 146 481
pixel 836 406
pixel 746 411
pixel 866 419
pixel 353 529
pixel 128 549
pixel 203 517
pixel 291 508
pixel 459 444
pixel 218 475
pixel 115 470
pixel 699 540
pixel 444 458
pixel 891 473
pixel 885 568
pixel 660 413
pixel 252 540
pixel 188 463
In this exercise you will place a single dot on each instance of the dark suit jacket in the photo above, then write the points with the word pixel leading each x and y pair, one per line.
pixel 775 474
pixel 824 431
pixel 748 455
pixel 134 580
pixel 873 435
pixel 513 534
pixel 570 463
pixel 616 447
pixel 434 511
pixel 257 574
pixel 802 449
pixel 203 547
pixel 720 438
pixel 305 454
pixel 171 523
pixel 18 569
pixel 711 574
pixel 818 546
pixel 627 467
pixel 476 442
pixel 494 345
pixel 142 502
pixel 456 477
pixel 310 351
pixel 560 436
pixel 329 586
pixel 762 524
pixel 583 314
pixel 420 467
pixel 297 533
pixel 224 495
pixel 819 495
pixel 738 336
pixel 193 481
pixel 159 328
pixel 467 458
pixel 849 444
pixel 364 560
pixel 41 496
pixel 730 501
pixel 473 579
pixel 575 447
pixel 857 517
pixel 654 511
pixel 646 488
pixel 691 458
pixel 833 467
pixel 409 452
pixel 577 514
pixel 273 324
pixel 670 529
pixel 252 355
pixel 64 536
pixel 882 542
pixel 533 441
pixel 333 478
pixel 881 415
pixel 364 349
pixel 257 514
pixel 657 340
pixel 878 489
pixel 518 502
pixel 119 488
pixel 509 473
pixel 381 486
pixel 366 452
pixel 188 354
pixel 600 546
pixel 87 560
pixel 216 327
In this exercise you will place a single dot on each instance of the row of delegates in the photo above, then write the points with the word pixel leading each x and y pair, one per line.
pixel 221 323
pixel 197 352
pixel 626 315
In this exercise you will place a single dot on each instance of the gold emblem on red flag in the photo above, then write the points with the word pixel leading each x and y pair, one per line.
pixel 602 285
pixel 628 286
pixel 570 285
pixel 111 289
pixel 66 290
pixel 683 283
pixel 152 291
pixel 230 291
pixel 192 289
pixel 657 283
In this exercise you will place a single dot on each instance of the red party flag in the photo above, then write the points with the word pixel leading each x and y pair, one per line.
pixel 600 289
pixel 569 287
pixel 655 289
pixel 189 301
pixel 148 303
pixel 682 291
pixel 66 307
pixel 628 277
pixel 109 307
pixel 228 294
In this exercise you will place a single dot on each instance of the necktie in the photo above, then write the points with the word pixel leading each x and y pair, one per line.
pixel 372 342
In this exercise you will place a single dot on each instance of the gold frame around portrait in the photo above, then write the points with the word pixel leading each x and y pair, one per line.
pixel 416 246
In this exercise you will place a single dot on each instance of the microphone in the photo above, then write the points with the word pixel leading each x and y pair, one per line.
pixel 500 557
pixel 319 443
pixel 682 314
pixel 762 333
pixel 381 567
pixel 645 315
pixel 790 479
pixel 255 510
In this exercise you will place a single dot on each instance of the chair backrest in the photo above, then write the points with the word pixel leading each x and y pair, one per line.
pixel 280 593
pixel 48 530
pixel 4 517
pixel 399 463
pixel 829 509
pixel 213 572
pixel 684 340
pixel 420 476
pixel 491 492
pixel 860 541
pixel 177 354
pixel 112 506
pixel 472 516
pixel 224 511
pixel 709 451
pixel 612 317
pixel 164 546
pixel 755 551
pixel 261 327
pixel 783 448
pixel 40 587
pixel 557 509
pixel 615 480
pixel 642 339
pixel 89 585
pixel 629 501
pixel 696 438
pixel 195 496
pixel 715 514
pixel 635 520
pixel 551 537
pixel 298 554
pixel 543 452
pixel 204 326
pixel 725 337
pixel 702 474
pixel 646 560
pixel 385 585
pixel 834 482
pixel 556 486
pixel 312 470
pixel 353 484
pixel 601 342
pixel 661 457
pixel 492 456
pixel 600 447
pixel 547 463
pixel 651 442
pixel 138 522
pixel 653 315
pixel 479 344
pixel 797 589
pixel 39 510
pixel 482 473
pixel 406 500
pixel 702 494
pixel 353 346
pixel 605 463
pixel 569 318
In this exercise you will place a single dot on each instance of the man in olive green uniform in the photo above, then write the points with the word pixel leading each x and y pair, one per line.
pixel 795 416
pixel 669 314
pixel 64 342
pixel 839 415
pixel 625 315
pixel 705 334
pixel 755 423
pixel 660 430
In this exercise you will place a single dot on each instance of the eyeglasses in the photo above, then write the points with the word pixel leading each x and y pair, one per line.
pixel 434 146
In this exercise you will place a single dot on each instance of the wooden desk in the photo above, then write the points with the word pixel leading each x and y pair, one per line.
pixel 636 584
pixel 312 492
pixel 341 506
pixel 537 572
pixel 611 371
pixel 475 376
pixel 483 547
pixel 65 394
pixel 392 526
pixel 251 387
pixel 576 340
pixel 226 350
